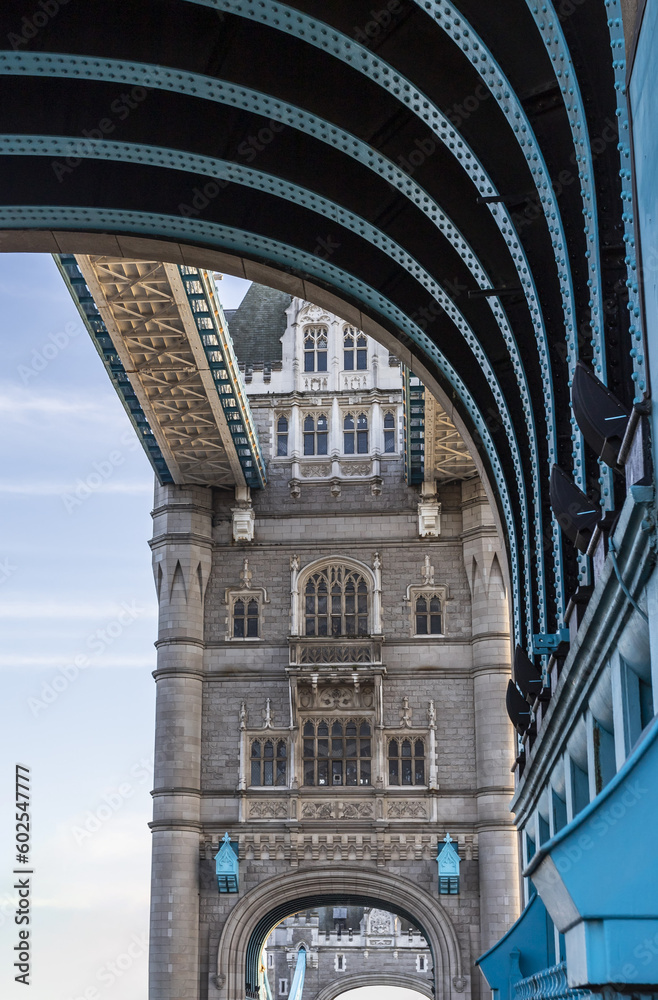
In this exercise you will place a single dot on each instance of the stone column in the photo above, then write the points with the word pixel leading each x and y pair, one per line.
pixel 494 735
pixel 182 558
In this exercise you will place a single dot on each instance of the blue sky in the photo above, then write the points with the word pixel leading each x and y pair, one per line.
pixel 78 622
pixel 75 588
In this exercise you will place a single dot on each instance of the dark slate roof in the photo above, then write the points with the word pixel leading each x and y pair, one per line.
pixel 258 324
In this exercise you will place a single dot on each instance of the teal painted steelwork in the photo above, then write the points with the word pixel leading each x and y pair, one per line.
pixel 157 76
pixel 239 174
pixel 527 948
pixel 227 865
pixel 297 986
pixel 218 346
pixel 643 103
pixel 413 392
pixel 550 31
pixel 242 242
pixel 103 343
pixel 226 171
pixel 617 43
pixel 599 880
pixel 549 984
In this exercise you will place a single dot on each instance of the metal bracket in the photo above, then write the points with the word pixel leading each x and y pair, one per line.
pixel 546 643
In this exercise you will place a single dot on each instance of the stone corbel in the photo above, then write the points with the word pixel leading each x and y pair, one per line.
pixel 244 518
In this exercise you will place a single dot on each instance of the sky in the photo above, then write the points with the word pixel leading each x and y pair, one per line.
pixel 78 620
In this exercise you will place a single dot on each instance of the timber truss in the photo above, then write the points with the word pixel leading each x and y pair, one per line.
pixel 162 334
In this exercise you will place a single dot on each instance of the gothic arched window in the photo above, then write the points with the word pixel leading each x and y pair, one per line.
pixel 428 615
pixel 282 436
pixel 354 341
pixel 389 432
pixel 245 618
pixel 355 435
pixel 316 434
pixel 269 762
pixel 336 602
pixel 337 752
pixel 315 349
pixel 406 761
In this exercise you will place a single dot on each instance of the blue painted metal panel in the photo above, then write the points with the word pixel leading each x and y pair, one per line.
pixel 599 878
pixel 527 948
pixel 103 343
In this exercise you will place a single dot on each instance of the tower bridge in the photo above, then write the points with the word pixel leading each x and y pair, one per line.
pixel 471 187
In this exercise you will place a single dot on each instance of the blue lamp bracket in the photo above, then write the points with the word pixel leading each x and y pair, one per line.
pixel 227 865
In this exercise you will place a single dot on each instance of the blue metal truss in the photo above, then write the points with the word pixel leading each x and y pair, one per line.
pixel 218 346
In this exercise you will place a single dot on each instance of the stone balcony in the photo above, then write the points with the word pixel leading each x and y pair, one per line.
pixel 322 652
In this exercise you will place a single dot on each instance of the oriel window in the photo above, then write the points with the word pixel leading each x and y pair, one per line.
pixel 336 603
pixel 337 752
pixel 406 762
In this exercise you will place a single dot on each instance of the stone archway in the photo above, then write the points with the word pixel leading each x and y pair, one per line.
pixel 253 918
pixel 337 989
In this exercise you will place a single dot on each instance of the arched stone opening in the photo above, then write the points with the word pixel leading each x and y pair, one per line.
pixel 338 989
pixel 255 916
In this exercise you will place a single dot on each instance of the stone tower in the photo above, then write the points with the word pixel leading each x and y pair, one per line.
pixel 332 658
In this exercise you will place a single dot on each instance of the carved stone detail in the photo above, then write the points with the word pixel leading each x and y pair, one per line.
pixel 268 810
pixel 407 810
pixel 355 468
pixel 318 810
pixel 316 470
pixel 336 696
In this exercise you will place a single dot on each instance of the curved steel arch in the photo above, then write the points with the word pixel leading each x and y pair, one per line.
pixel 285 256
pixel 409 199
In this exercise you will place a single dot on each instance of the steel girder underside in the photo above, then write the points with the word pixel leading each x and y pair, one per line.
pixel 451 169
